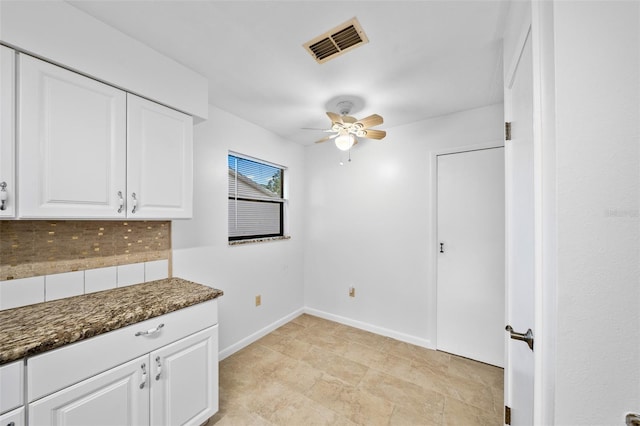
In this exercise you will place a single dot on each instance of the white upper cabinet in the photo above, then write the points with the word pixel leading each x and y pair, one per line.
pixel 7 133
pixel 72 144
pixel 159 161
pixel 88 150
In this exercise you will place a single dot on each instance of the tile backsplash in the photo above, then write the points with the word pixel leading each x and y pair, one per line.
pixel 27 291
pixel 38 248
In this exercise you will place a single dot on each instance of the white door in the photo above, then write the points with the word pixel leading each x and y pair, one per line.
pixel 184 388
pixel 119 396
pixel 72 144
pixel 470 314
pixel 519 371
pixel 7 132
pixel 160 164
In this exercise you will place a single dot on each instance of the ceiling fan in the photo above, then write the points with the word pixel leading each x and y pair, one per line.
pixel 347 129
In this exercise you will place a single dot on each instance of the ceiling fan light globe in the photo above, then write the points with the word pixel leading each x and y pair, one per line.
pixel 344 142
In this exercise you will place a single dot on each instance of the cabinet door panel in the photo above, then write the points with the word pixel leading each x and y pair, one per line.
pixel 110 398
pixel 72 143
pixel 7 129
pixel 13 418
pixel 11 386
pixel 159 155
pixel 186 390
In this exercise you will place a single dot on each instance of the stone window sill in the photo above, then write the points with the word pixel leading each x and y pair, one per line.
pixel 258 240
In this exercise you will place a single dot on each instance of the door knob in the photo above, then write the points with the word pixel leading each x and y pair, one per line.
pixel 525 337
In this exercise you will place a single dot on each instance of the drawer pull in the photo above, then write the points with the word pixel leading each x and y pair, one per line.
pixel 150 331
pixel 159 368
pixel 144 375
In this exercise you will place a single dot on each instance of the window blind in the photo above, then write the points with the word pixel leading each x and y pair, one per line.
pixel 255 199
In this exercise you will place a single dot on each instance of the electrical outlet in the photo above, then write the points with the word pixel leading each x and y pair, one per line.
pixel 258 300
pixel 352 292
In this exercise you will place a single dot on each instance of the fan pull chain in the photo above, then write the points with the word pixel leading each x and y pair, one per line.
pixel 342 162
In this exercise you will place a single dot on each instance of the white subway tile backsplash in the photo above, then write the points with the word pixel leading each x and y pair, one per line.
pixel 130 274
pixel 100 279
pixel 21 292
pixel 156 270
pixel 67 284
pixel 27 291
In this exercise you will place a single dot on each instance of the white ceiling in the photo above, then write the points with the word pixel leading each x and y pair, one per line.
pixel 424 58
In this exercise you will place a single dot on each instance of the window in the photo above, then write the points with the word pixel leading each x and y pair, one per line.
pixel 256 202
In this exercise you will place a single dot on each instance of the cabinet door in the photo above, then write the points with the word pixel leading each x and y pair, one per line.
pixel 13 418
pixel 72 143
pixel 11 386
pixel 159 161
pixel 119 396
pixel 7 132
pixel 184 388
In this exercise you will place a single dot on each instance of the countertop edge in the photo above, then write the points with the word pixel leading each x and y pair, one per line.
pixel 61 322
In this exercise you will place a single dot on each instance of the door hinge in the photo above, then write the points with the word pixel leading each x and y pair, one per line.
pixel 507 415
pixel 507 131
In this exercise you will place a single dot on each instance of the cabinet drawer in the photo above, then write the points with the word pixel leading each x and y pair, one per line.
pixel 11 386
pixel 70 364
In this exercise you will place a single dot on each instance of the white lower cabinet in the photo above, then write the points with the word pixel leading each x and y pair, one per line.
pixel 162 371
pixel 184 380
pixel 174 385
pixel 116 397
pixel 13 418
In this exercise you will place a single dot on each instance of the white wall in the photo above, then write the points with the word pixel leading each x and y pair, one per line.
pixel 200 246
pixel 597 80
pixel 368 224
pixel 58 32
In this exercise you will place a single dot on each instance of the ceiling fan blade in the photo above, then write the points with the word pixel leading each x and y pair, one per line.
pixel 335 118
pixel 348 119
pixel 372 134
pixel 326 138
pixel 370 121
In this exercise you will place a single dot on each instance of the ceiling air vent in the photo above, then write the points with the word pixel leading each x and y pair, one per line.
pixel 337 41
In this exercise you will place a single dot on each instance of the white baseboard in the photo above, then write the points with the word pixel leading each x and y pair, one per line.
pixel 230 350
pixel 425 343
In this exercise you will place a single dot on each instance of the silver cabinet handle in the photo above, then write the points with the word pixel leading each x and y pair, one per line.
pixel 150 331
pixel 120 202
pixel 134 202
pixel 159 368
pixel 525 337
pixel 4 195
pixel 144 375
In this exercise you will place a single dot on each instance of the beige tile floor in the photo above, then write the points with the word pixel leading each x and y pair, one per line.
pixel 312 371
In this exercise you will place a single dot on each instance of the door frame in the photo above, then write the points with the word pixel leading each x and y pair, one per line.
pixel 433 225
pixel 539 25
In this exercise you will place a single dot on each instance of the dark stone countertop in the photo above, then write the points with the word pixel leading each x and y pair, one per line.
pixel 33 329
